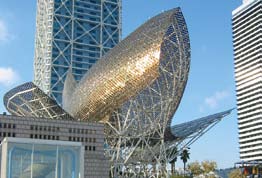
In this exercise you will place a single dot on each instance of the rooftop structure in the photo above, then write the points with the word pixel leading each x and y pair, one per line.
pixel 72 35
pixel 247 43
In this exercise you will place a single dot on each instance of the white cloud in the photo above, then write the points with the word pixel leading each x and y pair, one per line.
pixel 8 76
pixel 213 101
pixel 4 34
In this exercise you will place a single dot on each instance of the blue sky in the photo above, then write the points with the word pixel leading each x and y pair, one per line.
pixel 210 87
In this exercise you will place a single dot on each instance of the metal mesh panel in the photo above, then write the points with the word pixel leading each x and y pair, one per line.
pixel 29 100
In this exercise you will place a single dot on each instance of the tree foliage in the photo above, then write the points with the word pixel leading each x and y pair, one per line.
pixel 174 153
pixel 209 166
pixel 184 156
pixel 195 168
pixel 206 168
pixel 236 173
pixel 179 176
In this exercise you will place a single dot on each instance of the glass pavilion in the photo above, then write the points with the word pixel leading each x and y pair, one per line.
pixel 27 158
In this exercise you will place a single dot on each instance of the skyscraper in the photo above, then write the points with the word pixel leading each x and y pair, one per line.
pixel 247 40
pixel 72 34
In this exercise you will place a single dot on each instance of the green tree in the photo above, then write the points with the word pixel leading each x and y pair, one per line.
pixel 195 168
pixel 236 173
pixel 174 153
pixel 173 165
pixel 179 176
pixel 208 166
pixel 184 156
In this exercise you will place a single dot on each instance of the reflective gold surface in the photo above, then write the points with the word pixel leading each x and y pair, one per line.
pixel 122 73
pixel 145 119
pixel 134 89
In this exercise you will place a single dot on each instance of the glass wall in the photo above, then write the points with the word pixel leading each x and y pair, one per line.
pixel 31 160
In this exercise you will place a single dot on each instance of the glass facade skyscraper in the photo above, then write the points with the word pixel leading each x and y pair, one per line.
pixel 72 34
pixel 247 35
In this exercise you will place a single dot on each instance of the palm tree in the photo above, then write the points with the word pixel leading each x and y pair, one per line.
pixel 173 154
pixel 173 165
pixel 184 156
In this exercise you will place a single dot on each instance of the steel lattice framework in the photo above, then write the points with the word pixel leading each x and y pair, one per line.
pixel 151 156
pixel 135 90
pixel 152 62
pixel 28 100
pixel 141 123
pixel 72 34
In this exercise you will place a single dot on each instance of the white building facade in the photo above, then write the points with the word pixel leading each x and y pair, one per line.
pixel 247 41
